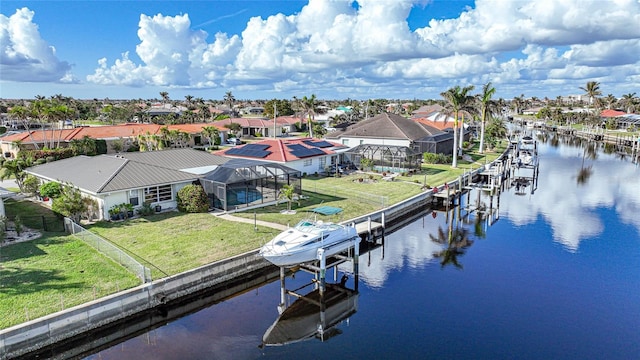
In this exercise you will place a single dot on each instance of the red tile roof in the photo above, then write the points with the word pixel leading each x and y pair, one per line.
pixel 105 132
pixel 280 152
pixel 611 113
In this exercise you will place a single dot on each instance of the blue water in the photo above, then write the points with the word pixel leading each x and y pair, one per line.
pixel 556 276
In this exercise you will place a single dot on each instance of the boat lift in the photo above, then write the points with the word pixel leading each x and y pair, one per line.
pixel 319 268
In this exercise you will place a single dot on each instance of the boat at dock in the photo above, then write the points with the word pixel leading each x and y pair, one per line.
pixel 300 243
pixel 527 152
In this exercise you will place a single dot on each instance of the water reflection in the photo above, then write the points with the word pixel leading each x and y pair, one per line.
pixel 576 213
pixel 456 240
pixel 316 314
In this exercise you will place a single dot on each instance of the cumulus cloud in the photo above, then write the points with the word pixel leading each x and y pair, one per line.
pixel 25 56
pixel 344 46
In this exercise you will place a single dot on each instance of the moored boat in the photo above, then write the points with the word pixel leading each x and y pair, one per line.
pixel 300 243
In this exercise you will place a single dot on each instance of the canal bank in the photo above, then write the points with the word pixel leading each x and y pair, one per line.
pixel 116 311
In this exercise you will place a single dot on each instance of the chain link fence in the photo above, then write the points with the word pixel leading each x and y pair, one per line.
pixel 110 250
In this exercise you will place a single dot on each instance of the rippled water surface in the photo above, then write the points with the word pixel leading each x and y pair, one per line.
pixel 550 275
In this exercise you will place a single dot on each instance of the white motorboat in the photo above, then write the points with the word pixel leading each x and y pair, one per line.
pixel 527 152
pixel 300 243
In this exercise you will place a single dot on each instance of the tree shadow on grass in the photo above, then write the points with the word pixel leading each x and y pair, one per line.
pixel 19 281
pixel 27 249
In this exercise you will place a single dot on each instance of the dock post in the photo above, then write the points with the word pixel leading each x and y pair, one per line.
pixel 356 260
pixel 369 226
pixel 383 222
pixel 282 306
pixel 323 269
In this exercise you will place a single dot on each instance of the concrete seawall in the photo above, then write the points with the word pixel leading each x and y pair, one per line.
pixel 67 326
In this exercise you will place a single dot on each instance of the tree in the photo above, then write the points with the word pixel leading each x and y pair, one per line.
pixel 165 96
pixel 484 100
pixel 628 102
pixel 212 134
pixel 309 107
pixel 229 100
pixel 70 203
pixel 22 114
pixel 592 90
pixel 15 168
pixel 456 99
pixel 192 199
pixel 286 193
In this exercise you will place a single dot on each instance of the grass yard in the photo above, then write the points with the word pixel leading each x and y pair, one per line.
pixel 52 273
pixel 175 242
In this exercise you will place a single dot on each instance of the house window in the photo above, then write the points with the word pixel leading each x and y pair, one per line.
pixel 345 141
pixel 361 142
pixel 133 197
pixel 307 162
pixel 158 193
pixel 322 162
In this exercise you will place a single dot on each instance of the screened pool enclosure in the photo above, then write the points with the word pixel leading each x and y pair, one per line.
pixel 386 157
pixel 242 183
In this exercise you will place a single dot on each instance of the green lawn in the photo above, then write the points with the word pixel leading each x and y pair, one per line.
pixel 54 272
pixel 174 242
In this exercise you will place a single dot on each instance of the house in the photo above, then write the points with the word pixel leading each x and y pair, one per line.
pixel 127 134
pixel 306 155
pixel 392 140
pixel 258 127
pixel 155 177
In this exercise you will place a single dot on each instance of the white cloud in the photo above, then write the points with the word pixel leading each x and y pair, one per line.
pixel 25 56
pixel 333 47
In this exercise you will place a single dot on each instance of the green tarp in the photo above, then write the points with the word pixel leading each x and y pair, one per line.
pixel 326 210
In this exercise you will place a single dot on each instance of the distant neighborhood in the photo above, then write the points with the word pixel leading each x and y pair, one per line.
pixel 242 153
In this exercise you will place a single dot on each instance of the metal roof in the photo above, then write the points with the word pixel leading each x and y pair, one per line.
pixel 106 173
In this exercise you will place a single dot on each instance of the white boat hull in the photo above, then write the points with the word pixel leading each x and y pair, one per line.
pixel 300 244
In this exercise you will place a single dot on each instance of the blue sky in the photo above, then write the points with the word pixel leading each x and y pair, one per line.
pixel 336 49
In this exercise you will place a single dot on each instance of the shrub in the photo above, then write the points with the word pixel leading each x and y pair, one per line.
pixel 192 199
pixel 145 209
pixel 31 184
pixel 51 189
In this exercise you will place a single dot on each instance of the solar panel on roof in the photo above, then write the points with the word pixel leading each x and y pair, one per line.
pixel 256 152
pixel 319 144
pixel 256 147
pixel 300 151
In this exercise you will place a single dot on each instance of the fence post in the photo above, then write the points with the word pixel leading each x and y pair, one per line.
pixel 44 223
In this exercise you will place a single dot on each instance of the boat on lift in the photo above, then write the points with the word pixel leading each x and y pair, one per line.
pixel 300 243
pixel 527 154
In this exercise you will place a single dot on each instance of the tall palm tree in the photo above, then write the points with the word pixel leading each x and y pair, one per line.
pixel 456 98
pixel 309 105
pixel 484 100
pixel 21 114
pixel 229 99
pixel 165 96
pixel 592 90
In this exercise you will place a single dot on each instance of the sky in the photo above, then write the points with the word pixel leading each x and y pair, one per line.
pixel 335 49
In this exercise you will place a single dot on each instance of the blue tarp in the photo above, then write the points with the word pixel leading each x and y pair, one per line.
pixel 326 210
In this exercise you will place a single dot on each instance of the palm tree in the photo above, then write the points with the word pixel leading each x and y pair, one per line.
pixel 484 100
pixel 212 133
pixel 309 106
pixel 165 96
pixel 592 89
pixel 15 168
pixel 456 241
pixel 456 98
pixel 229 100
pixel 628 102
pixel 22 114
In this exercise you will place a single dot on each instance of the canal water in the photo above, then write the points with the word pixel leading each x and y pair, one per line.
pixel 552 273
